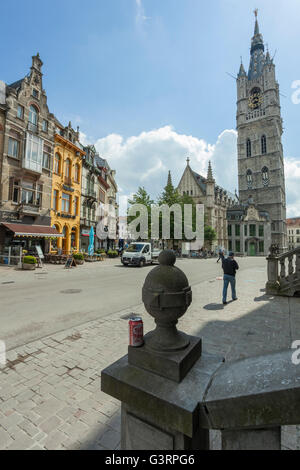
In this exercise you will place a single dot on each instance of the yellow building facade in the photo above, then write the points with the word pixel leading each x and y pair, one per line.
pixel 66 189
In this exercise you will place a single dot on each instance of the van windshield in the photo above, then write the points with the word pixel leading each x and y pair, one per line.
pixel 135 247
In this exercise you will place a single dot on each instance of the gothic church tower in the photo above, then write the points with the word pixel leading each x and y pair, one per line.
pixel 259 126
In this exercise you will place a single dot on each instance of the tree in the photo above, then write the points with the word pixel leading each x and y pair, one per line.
pixel 209 234
pixel 141 197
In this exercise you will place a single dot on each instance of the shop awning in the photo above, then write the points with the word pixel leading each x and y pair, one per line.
pixel 22 230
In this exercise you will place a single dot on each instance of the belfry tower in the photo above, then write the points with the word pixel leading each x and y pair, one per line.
pixel 259 126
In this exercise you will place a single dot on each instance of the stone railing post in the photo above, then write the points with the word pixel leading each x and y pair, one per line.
pixel 161 383
pixel 273 284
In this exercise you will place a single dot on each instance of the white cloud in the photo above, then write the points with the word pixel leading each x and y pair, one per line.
pixel 144 160
pixel 140 17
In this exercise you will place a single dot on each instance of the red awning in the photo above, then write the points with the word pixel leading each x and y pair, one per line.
pixel 21 230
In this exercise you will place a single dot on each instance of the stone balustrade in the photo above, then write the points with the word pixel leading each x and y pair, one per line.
pixel 283 273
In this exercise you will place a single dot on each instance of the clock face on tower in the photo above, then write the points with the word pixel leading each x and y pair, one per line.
pixel 255 99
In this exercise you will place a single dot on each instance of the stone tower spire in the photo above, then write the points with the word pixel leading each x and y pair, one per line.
pixel 259 127
pixel 169 183
pixel 210 177
pixel 257 59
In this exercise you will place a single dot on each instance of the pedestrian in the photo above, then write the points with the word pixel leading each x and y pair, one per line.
pixel 230 267
pixel 221 255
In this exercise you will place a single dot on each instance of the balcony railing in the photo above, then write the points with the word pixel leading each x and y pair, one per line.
pixel 30 209
pixel 284 273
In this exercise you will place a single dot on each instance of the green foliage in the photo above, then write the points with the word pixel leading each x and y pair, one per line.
pixel 141 197
pixel 209 233
pixel 29 260
pixel 78 256
pixel 112 253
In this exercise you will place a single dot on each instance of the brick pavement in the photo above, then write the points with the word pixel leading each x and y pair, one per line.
pixel 50 394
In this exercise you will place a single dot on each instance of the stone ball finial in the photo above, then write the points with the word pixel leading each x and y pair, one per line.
pixel 166 295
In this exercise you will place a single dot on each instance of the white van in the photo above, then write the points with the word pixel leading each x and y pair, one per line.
pixel 139 254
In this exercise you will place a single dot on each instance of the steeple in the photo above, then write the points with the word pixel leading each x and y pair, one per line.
pixel 210 178
pixel 257 60
pixel 242 72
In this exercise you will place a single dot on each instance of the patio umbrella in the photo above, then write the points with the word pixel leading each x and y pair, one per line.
pixel 91 242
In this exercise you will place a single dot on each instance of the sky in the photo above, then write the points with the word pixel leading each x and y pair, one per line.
pixel 149 82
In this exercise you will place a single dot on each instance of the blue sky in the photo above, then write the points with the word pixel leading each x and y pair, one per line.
pixel 121 69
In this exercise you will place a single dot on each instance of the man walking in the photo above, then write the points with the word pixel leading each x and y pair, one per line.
pixel 221 256
pixel 230 267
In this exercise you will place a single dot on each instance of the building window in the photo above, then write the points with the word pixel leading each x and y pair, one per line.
pixel 13 147
pixel 67 169
pixel 77 173
pixel 230 245
pixel 249 150
pixel 65 202
pixel 20 112
pixel 249 178
pixel 237 230
pixel 31 193
pixel 245 230
pixel 35 93
pixel 263 145
pixel 265 176
pixel 45 125
pixel 46 160
pixel 34 153
pixel 261 231
pixel 16 192
pixel 238 246
pixel 33 115
pixel 252 230
pixel 55 200
pixel 261 246
pixel 76 205
pixel 57 164
pixel 39 194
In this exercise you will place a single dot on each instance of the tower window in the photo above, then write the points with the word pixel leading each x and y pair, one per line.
pixel 263 145
pixel 265 176
pixel 248 148
pixel 249 178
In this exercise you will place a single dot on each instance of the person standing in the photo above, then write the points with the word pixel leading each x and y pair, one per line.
pixel 230 267
pixel 221 256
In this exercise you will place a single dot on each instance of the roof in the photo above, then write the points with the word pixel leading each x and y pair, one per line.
pixel 294 221
pixel 16 84
pixel 32 230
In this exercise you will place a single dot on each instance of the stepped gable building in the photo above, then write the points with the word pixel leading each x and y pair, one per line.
pixel 216 201
pixel 26 148
pixel 260 153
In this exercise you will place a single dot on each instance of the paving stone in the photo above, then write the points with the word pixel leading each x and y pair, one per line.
pixel 50 424
pixel 110 439
pixel 22 442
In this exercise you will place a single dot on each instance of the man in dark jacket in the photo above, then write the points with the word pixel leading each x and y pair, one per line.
pixel 230 267
pixel 221 255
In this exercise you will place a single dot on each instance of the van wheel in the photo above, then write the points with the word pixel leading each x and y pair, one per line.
pixel 141 263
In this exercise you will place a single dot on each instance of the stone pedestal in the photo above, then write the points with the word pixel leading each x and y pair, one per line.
pixel 158 413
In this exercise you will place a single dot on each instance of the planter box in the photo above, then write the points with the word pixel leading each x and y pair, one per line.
pixel 28 267
pixel 79 261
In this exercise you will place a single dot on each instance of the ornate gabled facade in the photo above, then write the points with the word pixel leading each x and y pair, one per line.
pixel 66 188
pixel 26 149
pixel 259 126
pixel 108 195
pixel 216 201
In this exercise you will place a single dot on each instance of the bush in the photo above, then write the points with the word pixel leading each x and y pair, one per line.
pixel 29 260
pixel 112 253
pixel 78 256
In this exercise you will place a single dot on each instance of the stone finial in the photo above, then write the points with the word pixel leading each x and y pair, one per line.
pixel 166 295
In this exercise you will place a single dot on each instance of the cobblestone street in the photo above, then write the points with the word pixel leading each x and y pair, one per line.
pixel 50 394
